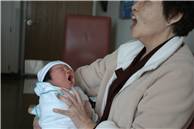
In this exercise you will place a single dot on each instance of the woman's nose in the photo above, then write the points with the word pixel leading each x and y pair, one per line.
pixel 136 5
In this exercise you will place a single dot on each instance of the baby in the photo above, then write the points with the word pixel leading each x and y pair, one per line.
pixel 51 79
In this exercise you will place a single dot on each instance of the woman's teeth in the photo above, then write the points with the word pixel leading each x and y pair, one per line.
pixel 133 17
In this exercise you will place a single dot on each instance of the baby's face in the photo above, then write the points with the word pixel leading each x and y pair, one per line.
pixel 62 76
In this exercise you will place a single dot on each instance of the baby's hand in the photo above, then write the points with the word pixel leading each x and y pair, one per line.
pixel 36 124
pixel 30 109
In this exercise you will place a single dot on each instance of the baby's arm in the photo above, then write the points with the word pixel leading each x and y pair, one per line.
pixel 34 110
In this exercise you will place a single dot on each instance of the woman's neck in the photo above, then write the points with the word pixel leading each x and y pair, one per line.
pixel 154 41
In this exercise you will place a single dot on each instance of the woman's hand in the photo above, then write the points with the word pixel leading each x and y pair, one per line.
pixel 36 124
pixel 78 111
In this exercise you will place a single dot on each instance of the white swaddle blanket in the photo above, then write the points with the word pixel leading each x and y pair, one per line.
pixel 47 101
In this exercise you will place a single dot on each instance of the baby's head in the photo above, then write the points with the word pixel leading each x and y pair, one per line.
pixel 58 73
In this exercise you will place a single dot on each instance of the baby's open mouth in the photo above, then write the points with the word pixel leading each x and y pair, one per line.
pixel 69 78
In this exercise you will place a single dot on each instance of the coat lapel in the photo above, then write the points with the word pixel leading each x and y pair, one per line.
pixel 123 60
pixel 127 52
pixel 158 58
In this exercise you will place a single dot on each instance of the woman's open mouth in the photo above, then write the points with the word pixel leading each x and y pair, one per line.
pixel 134 21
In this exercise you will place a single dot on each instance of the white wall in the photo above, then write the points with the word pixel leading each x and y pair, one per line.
pixel 113 12
pixel 121 28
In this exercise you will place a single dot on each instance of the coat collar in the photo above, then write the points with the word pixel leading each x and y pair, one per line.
pixel 128 51
pixel 158 58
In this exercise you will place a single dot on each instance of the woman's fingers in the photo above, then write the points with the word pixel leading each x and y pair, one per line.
pixel 60 111
pixel 74 97
pixel 69 113
pixel 77 112
pixel 78 98
pixel 88 108
pixel 65 100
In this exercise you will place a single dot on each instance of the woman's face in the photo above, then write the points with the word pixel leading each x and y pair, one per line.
pixel 148 19
pixel 62 76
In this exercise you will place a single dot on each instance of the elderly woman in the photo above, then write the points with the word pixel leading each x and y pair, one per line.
pixel 147 83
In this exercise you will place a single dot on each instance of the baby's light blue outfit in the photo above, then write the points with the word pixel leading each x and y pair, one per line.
pixel 47 101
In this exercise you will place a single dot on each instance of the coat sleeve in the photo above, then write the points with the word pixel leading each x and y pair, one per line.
pixel 90 76
pixel 168 102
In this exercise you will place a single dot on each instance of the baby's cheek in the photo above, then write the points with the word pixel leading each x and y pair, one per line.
pixel 68 86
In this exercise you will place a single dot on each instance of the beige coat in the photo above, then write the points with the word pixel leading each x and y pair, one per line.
pixel 160 98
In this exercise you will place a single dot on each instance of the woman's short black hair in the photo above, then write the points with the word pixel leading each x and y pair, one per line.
pixel 186 24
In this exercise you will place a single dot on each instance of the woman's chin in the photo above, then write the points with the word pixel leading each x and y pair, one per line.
pixel 134 35
pixel 134 29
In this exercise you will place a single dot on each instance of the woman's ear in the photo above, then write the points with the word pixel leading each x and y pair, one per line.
pixel 174 18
